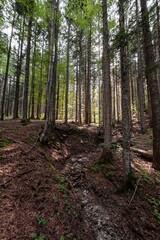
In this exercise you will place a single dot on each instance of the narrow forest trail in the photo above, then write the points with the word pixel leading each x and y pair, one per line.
pixel 95 213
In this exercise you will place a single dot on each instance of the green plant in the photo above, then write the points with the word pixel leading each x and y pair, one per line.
pixel 67 235
pixel 155 202
pixel 57 215
pixel 63 187
pixel 62 238
pixel 68 206
pixel 41 221
pixel 109 175
pixel 95 168
pixel 54 199
pixel 4 143
pixel 146 177
pixel 36 236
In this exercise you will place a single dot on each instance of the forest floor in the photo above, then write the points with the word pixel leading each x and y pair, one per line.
pixel 59 190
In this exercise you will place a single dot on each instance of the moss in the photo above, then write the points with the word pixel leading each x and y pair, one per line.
pixel 155 203
pixel 109 175
pixel 4 143
pixel 96 167
pixel 128 183
pixel 107 156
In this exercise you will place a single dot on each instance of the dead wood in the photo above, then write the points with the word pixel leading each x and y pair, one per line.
pixel 143 153
pixel 134 191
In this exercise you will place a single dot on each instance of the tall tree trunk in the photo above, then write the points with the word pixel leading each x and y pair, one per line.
pixel 80 80
pixel 50 78
pixel 77 82
pixel 27 72
pixel 55 64
pixel 67 75
pixel 107 100
pixel 118 101
pixel 7 70
pixel 125 92
pixel 19 70
pixel 158 40
pixel 33 78
pixel 8 97
pixel 88 80
pixel 113 96
pixel 57 106
pixel 152 83
pixel 40 90
pixel 140 80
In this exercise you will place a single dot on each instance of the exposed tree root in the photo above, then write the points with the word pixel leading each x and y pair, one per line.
pixel 107 156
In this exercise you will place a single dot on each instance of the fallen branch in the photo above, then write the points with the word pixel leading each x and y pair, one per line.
pixel 146 154
pixel 27 152
pixel 134 191
pixel 20 174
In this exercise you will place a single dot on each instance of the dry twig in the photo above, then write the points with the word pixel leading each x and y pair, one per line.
pixel 134 191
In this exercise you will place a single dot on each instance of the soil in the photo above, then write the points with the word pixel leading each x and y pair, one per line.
pixel 59 190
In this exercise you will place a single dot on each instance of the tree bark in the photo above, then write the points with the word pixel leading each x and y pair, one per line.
pixel 125 91
pixel 140 80
pixel 56 28
pixel 33 78
pixel 107 100
pixel 40 90
pixel 88 80
pixel 50 77
pixel 7 70
pixel 80 80
pixel 158 41
pixel 19 70
pixel 27 71
pixel 152 83
pixel 67 75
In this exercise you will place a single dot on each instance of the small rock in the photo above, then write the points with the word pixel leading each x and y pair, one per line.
pixel 80 160
pixel 73 160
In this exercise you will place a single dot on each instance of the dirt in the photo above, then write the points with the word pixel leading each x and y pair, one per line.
pixel 58 190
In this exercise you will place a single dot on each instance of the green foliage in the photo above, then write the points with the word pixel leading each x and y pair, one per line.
pixel 146 177
pixel 4 143
pixel 36 236
pixel 57 215
pixel 63 188
pixel 109 175
pixel 41 221
pixel 54 199
pixel 67 235
pixel 96 168
pixel 25 7
pixel 62 237
pixel 121 39
pixel 155 202
pixel 100 168
pixel 3 43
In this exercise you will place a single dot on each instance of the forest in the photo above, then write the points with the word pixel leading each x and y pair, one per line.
pixel 80 119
